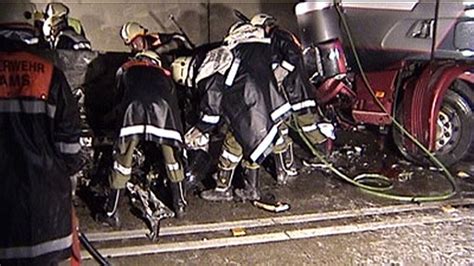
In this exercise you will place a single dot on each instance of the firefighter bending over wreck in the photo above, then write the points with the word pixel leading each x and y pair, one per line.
pixel 238 86
pixel 294 84
pixel 39 144
pixel 167 45
pixel 148 111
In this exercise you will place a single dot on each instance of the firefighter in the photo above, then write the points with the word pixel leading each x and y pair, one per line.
pixel 39 143
pixel 61 31
pixel 147 106
pixel 292 78
pixel 238 86
pixel 167 45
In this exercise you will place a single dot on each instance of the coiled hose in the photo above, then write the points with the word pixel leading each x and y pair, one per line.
pixel 374 183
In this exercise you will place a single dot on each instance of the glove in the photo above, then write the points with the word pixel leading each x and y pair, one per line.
pixel 195 139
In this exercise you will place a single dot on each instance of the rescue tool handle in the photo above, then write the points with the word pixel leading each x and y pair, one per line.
pixel 182 31
pixel 241 16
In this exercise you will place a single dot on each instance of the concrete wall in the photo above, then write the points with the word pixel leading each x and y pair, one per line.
pixel 203 21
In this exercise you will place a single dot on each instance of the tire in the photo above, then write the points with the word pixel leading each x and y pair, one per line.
pixel 455 127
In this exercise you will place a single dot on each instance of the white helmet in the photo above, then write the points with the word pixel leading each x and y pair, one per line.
pixel 263 20
pixel 151 55
pixel 51 27
pixel 182 72
pixel 17 15
pixel 234 27
pixel 56 10
pixel 132 30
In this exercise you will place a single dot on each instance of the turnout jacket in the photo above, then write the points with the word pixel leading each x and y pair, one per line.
pixel 245 93
pixel 39 150
pixel 287 54
pixel 69 39
pixel 147 103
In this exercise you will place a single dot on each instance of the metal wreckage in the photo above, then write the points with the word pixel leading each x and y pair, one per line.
pixel 415 63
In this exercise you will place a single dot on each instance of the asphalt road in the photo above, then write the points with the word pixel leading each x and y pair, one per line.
pixel 448 241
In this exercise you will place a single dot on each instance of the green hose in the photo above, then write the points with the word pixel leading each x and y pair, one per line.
pixel 363 180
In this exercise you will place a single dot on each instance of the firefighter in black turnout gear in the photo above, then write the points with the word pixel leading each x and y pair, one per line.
pixel 238 86
pixel 39 144
pixel 294 84
pixel 167 45
pixel 147 106
pixel 62 32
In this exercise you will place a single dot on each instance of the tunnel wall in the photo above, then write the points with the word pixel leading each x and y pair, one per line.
pixel 204 21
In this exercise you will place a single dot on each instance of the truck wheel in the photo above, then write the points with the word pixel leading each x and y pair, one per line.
pixel 455 127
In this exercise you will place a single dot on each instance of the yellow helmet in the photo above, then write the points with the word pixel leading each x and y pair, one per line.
pixel 131 30
pixel 151 55
pixel 181 68
pixel 17 15
pixel 56 10
pixel 262 20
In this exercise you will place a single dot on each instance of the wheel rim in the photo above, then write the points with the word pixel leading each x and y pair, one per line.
pixel 448 129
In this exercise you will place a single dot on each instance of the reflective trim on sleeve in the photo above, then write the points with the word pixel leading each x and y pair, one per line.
pixel 280 111
pixel 173 166
pixel 211 119
pixel 309 128
pixel 81 45
pixel 164 133
pixel 27 107
pixel 179 37
pixel 257 40
pixel 132 130
pixel 68 148
pixel 232 72
pixel 286 65
pixel 36 250
pixel 266 142
pixel 231 157
pixel 122 169
pixel 303 104
pixel 280 141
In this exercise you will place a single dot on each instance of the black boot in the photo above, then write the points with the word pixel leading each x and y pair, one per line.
pixel 250 190
pixel 197 169
pixel 179 201
pixel 324 149
pixel 284 166
pixel 223 191
pixel 110 215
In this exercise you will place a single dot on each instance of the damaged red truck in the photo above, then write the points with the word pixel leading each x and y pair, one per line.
pixel 418 57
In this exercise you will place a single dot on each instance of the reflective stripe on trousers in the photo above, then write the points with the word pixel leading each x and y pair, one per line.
pixel 36 250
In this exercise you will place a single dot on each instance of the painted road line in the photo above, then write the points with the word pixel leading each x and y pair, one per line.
pixel 276 236
pixel 275 221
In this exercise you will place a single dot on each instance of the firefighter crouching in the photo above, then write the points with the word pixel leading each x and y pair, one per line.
pixel 293 82
pixel 148 111
pixel 39 143
pixel 237 86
